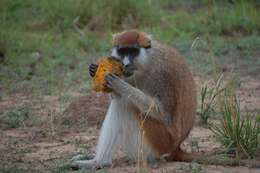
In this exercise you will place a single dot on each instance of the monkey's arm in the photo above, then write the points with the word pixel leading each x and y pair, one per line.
pixel 145 103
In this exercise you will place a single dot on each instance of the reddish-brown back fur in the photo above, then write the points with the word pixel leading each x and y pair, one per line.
pixel 179 102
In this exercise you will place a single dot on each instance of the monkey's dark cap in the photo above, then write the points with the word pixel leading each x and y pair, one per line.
pixel 132 38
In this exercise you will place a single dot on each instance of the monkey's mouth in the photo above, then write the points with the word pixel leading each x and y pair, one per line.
pixel 128 71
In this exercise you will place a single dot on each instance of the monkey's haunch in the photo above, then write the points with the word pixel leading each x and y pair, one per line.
pixel 105 66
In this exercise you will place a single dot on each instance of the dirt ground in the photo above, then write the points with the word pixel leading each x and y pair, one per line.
pixel 66 133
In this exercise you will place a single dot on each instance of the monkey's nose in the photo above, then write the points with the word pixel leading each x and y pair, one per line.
pixel 129 67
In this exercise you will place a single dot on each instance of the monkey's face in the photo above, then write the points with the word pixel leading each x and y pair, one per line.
pixel 130 48
pixel 129 56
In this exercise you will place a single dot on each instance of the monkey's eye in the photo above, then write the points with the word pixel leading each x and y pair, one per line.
pixel 128 51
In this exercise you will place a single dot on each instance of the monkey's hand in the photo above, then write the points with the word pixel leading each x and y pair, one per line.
pixel 115 83
pixel 146 104
pixel 92 69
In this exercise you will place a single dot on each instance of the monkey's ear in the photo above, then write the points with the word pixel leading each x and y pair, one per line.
pixel 115 40
pixel 144 40
pixel 149 36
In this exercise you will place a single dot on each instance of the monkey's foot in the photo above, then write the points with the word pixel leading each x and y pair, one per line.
pixel 82 157
pixel 83 164
pixel 88 164
pixel 151 159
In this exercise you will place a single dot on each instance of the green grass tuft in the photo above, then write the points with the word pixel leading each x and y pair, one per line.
pixel 239 135
pixel 208 100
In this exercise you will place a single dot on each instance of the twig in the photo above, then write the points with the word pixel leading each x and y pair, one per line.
pixel 81 32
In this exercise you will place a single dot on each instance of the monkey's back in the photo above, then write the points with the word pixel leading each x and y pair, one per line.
pixel 172 84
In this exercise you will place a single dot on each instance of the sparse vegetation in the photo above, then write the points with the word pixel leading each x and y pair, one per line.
pixel 17 117
pixel 240 135
pixel 208 100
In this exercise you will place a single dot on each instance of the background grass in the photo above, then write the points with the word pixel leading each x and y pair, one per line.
pixel 40 42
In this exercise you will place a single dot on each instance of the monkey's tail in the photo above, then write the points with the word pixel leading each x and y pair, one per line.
pixel 213 159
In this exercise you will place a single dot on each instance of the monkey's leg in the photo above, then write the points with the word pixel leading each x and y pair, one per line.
pixel 108 140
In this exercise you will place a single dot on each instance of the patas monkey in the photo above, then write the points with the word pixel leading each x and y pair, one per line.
pixel 156 97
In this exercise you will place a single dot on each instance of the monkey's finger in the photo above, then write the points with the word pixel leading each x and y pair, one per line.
pixel 109 80
pixel 93 66
pixel 112 76
pixel 93 69
pixel 109 84
pixel 92 73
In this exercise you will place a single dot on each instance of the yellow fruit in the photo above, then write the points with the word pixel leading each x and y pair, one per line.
pixel 106 66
